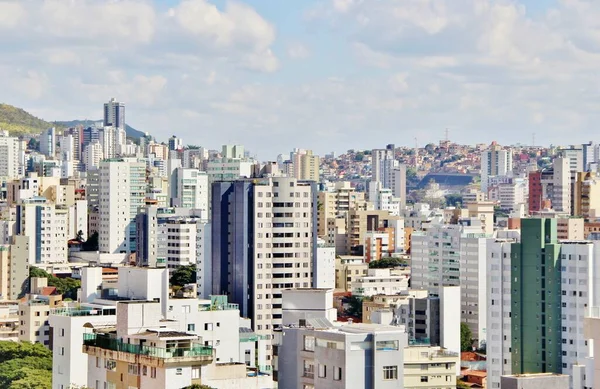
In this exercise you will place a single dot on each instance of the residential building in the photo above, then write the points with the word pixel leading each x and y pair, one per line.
pixel 47 225
pixel 324 271
pixel 337 202
pixel 318 355
pixel 48 142
pixel 189 189
pixel 430 366
pixel 114 114
pixel 9 156
pixel 228 169
pixel 495 161
pixel 535 381
pixel 362 221
pixel 305 165
pixel 175 143
pixel 380 281
pixel 264 240
pixel 347 270
pixel 382 163
pixel 122 184
pixel 379 244
pixel 14 267
pixel 92 155
pixel 586 195
pixel 35 310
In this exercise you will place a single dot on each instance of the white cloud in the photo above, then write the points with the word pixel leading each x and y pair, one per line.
pixel 298 51
pixel 11 14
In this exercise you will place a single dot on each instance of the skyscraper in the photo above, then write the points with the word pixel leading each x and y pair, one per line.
pixel 122 191
pixel 48 142
pixel 495 162
pixel 263 241
pixel 9 156
pixel 114 114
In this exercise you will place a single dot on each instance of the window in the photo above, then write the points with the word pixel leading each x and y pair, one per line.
pixel 133 369
pixel 424 378
pixel 153 372
pixel 191 327
pixel 61 351
pixel 390 372
pixel 179 371
pixel 309 343
pixel 208 327
pixel 337 373
pixel 322 371
pixel 387 345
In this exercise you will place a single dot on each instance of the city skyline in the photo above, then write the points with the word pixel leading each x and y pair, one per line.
pixel 314 74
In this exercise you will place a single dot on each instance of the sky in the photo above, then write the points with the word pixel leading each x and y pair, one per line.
pixel 326 75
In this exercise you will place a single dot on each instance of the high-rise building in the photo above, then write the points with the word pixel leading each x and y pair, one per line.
pixel 586 195
pixel 48 142
pixel 92 155
pixel 381 161
pixel 175 143
pixel 189 189
pixel 495 161
pixel 263 241
pixel 305 165
pixel 9 156
pixel 122 189
pixel 114 114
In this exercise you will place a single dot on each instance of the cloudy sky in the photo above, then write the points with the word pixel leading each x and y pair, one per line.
pixel 328 75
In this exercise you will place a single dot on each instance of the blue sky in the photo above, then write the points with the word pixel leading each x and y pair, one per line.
pixel 327 75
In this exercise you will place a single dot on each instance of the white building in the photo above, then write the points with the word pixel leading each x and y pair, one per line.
pixel 318 355
pixel 383 199
pixel 495 162
pixel 499 284
pixel 48 226
pixel 227 169
pixel 92 155
pixel 473 283
pixel 380 281
pixel 9 156
pixel 122 191
pixel 324 271
pixel 189 189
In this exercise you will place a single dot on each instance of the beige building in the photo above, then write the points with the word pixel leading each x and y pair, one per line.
pixel 14 267
pixel 586 196
pixel 305 165
pixel 337 203
pixel 9 322
pixel 361 221
pixel 347 269
pixel 34 312
pixel 570 229
pixel 36 186
pixel 430 367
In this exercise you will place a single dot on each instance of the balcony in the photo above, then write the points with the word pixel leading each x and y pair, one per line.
pixel 108 347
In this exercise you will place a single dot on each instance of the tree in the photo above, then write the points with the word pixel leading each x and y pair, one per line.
pixel 355 306
pixel 25 366
pixel 183 275
pixel 197 386
pixel 386 263
pixel 91 244
pixel 65 286
pixel 79 236
pixel 453 200
pixel 466 338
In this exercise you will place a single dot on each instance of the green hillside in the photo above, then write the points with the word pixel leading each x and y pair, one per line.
pixel 19 122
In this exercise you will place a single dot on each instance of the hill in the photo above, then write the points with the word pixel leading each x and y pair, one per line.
pixel 131 132
pixel 19 122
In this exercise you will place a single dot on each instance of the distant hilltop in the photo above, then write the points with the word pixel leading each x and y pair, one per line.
pixel 17 122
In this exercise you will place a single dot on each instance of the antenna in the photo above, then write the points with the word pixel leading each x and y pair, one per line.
pixel 447 132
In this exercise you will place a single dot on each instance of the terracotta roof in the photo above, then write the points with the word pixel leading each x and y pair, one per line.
pixel 48 291
pixel 107 270
pixel 477 373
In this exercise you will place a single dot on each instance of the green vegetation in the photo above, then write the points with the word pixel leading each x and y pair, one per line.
pixel 183 275
pixel 198 386
pixel 91 244
pixel 19 122
pixel 25 366
pixel 466 338
pixel 461 385
pixel 453 200
pixel 65 286
pixel 387 263
pixel 354 306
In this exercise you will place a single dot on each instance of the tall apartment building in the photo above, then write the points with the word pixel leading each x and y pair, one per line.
pixel 48 142
pixel 92 155
pixel 48 226
pixel 14 267
pixel 453 255
pixel 34 312
pixel 575 157
pixel 228 169
pixel 305 165
pixel 175 143
pixel 114 114
pixel 382 161
pixel 499 286
pixel 189 189
pixel 586 195
pixel 383 199
pixel 495 161
pixel 336 203
pixel 122 189
pixel 9 156
pixel 551 185
pixel 264 240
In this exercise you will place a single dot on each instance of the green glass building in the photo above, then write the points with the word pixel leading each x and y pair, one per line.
pixel 536 299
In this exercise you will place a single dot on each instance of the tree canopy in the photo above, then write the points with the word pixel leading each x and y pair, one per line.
pixel 466 338
pixel 183 275
pixel 25 366
pixel 65 286
pixel 386 263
